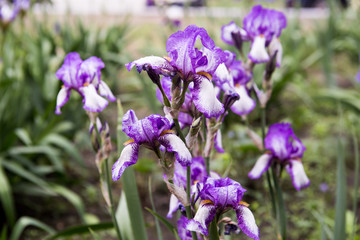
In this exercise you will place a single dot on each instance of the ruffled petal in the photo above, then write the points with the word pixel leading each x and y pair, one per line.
pixel 62 98
pixel 105 91
pixel 258 52
pixel 278 140
pixel 158 64
pixel 261 166
pixel 128 157
pixel 214 57
pixel 129 119
pixel 205 99
pixel 173 206
pixel 218 142
pixel 296 170
pixel 90 70
pixel 93 102
pixel 246 222
pixel 173 143
pixel 275 46
pixel 245 104
pixel 204 215
pixel 68 73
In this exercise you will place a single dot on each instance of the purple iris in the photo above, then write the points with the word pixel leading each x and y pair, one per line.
pixel 8 12
pixel 182 232
pixel 85 78
pixel 217 197
pixel 231 77
pixel 263 27
pixel 152 132
pixel 284 147
pixel 191 64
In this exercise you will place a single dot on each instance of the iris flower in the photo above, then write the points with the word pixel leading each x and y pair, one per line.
pixel 193 65
pixel 85 78
pixel 284 148
pixel 217 197
pixel 151 132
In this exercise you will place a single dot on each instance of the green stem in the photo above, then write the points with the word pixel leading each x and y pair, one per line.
pixel 356 182
pixel 281 212
pixel 207 165
pixel 111 207
pixel 157 225
pixel 188 179
pixel 213 231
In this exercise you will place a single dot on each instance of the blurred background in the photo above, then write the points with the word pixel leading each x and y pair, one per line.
pixel 48 177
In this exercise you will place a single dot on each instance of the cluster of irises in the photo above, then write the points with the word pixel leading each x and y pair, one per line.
pixel 9 10
pixel 197 87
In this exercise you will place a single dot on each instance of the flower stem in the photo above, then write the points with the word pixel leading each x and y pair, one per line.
pixel 281 212
pixel 111 207
pixel 188 178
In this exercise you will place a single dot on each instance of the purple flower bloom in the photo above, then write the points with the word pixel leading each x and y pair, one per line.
pixel 183 233
pixel 357 77
pixel 22 5
pixel 85 78
pixel 288 150
pixel 151 132
pixel 191 64
pixel 8 12
pixel 227 32
pixel 217 197
pixel 263 26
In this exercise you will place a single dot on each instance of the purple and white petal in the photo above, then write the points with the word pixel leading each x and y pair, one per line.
pixel 258 53
pixel 105 91
pixel 275 46
pixel 227 30
pixel 90 70
pixel 278 140
pixel 205 99
pixel 298 148
pixel 128 157
pixel 204 215
pixel 296 170
pixel 246 222
pixel 158 64
pixel 173 206
pixel 261 166
pixel 129 119
pixel 214 57
pixel 245 104
pixel 173 143
pixel 62 98
pixel 68 72
pixel 93 102
pixel 218 142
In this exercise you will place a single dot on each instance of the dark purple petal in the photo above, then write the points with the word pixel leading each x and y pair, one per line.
pixel 298 175
pixel 93 102
pixel 90 71
pixel 246 222
pixel 205 99
pixel 62 98
pixel 128 157
pixel 173 143
pixel 278 141
pixel 68 73
pixel 181 48
pixel 261 166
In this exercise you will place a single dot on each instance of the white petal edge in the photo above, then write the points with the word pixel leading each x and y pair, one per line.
pixel 274 46
pixel 93 102
pixel 246 222
pixel 128 157
pixel 173 143
pixel 62 98
pixel 261 166
pixel 154 61
pixel 173 206
pixel 298 175
pixel 245 104
pixel 258 52
pixel 105 91
pixel 204 97
pixel 204 215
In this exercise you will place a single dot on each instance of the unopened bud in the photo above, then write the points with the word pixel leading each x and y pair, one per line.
pixel 229 99
pixel 270 67
pixel 191 138
pixel 155 77
pixel 236 37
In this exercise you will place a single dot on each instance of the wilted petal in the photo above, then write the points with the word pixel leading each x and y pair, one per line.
pixel 158 64
pixel 205 99
pixel 173 143
pixel 246 222
pixel 68 73
pixel 62 98
pixel 258 53
pixel 261 166
pixel 105 91
pixel 298 175
pixel 275 46
pixel 93 102
pixel 204 215
pixel 245 104
pixel 218 142
pixel 173 206
pixel 128 157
